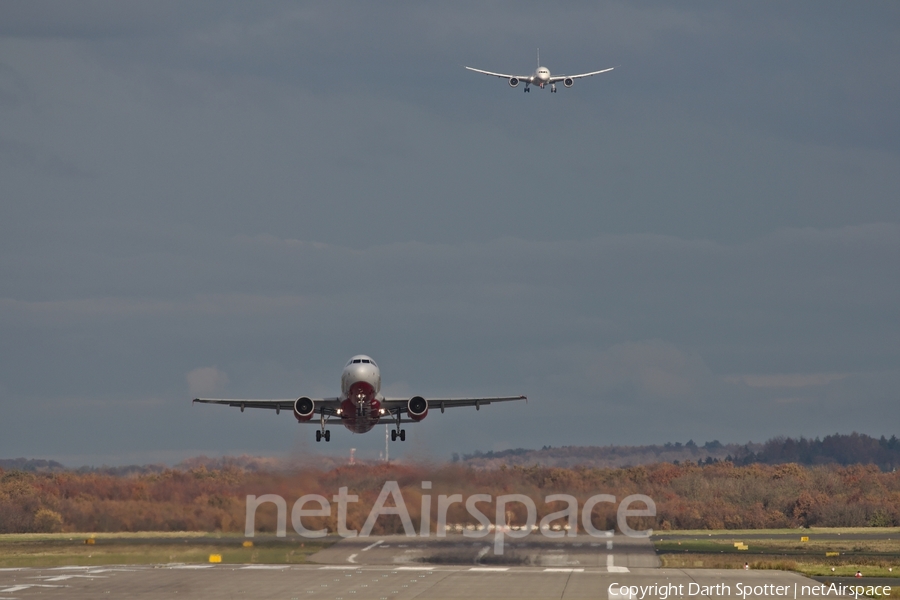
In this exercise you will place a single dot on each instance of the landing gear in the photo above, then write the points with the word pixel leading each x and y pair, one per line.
pixel 527 89
pixel 553 88
pixel 398 433
pixel 323 433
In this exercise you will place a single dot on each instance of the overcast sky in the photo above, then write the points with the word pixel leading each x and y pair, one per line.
pixel 211 198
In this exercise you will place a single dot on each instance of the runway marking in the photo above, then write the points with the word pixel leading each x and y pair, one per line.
pixel 25 586
pixel 609 545
pixel 64 577
pixel 482 553
pixel 370 546
pixel 351 558
pixel 558 570
pixel 490 569
pixel 415 568
pixel 189 566
pixel 266 567
pixel 612 568
pixel 335 567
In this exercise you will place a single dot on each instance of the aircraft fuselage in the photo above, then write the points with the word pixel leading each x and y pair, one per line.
pixel 360 388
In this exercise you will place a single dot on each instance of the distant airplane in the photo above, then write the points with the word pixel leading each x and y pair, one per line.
pixel 360 406
pixel 541 77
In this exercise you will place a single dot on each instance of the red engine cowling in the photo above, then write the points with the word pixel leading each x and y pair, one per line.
pixel 568 82
pixel 417 408
pixel 304 409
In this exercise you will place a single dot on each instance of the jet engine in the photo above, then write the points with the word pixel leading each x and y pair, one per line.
pixel 568 82
pixel 417 407
pixel 513 82
pixel 304 409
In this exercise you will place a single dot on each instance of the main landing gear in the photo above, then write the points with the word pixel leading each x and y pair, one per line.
pixel 398 433
pixel 323 434
pixel 553 88
pixel 527 89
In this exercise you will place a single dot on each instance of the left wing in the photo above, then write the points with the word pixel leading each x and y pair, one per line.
pixel 442 403
pixel 525 78
pixel 556 78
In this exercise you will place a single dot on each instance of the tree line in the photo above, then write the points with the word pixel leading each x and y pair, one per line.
pixel 721 495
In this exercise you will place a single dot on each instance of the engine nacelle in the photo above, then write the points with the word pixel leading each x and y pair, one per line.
pixel 513 82
pixel 568 82
pixel 304 409
pixel 417 407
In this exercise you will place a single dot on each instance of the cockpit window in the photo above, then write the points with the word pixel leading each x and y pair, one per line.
pixel 355 361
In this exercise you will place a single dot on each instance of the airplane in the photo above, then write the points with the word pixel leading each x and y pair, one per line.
pixel 541 77
pixel 361 405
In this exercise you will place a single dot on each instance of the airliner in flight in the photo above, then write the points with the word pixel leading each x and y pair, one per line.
pixel 541 77
pixel 361 405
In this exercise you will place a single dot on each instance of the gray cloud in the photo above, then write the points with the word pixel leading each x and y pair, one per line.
pixel 702 244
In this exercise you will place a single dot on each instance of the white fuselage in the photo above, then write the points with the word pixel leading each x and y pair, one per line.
pixel 360 369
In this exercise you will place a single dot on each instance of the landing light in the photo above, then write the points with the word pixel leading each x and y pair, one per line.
pixel 381 411
pixel 338 411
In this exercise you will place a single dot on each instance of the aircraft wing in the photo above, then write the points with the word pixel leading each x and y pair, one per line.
pixel 442 403
pixel 328 405
pixel 556 78
pixel 501 75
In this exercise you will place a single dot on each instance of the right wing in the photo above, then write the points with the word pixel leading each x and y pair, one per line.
pixel 501 75
pixel 328 405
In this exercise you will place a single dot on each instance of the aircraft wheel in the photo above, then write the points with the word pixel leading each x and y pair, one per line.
pixel 393 435
pixel 327 435
pixel 402 435
pixel 318 436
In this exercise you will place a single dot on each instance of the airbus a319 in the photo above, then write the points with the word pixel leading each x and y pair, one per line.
pixel 361 405
pixel 541 77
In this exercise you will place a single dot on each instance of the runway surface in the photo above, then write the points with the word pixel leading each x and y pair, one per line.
pixel 532 550
pixel 340 582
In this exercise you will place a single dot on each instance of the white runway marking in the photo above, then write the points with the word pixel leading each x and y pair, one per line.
pixel 64 577
pixel 335 567
pixel 415 568
pixel 612 568
pixel 482 553
pixel 609 545
pixel 492 569
pixel 553 570
pixel 370 546
pixel 351 558
pixel 25 586
pixel 270 567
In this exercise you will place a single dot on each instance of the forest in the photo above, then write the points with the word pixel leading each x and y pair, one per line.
pixel 718 495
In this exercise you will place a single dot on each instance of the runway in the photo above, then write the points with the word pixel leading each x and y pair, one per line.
pixel 534 550
pixel 391 567
pixel 339 582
